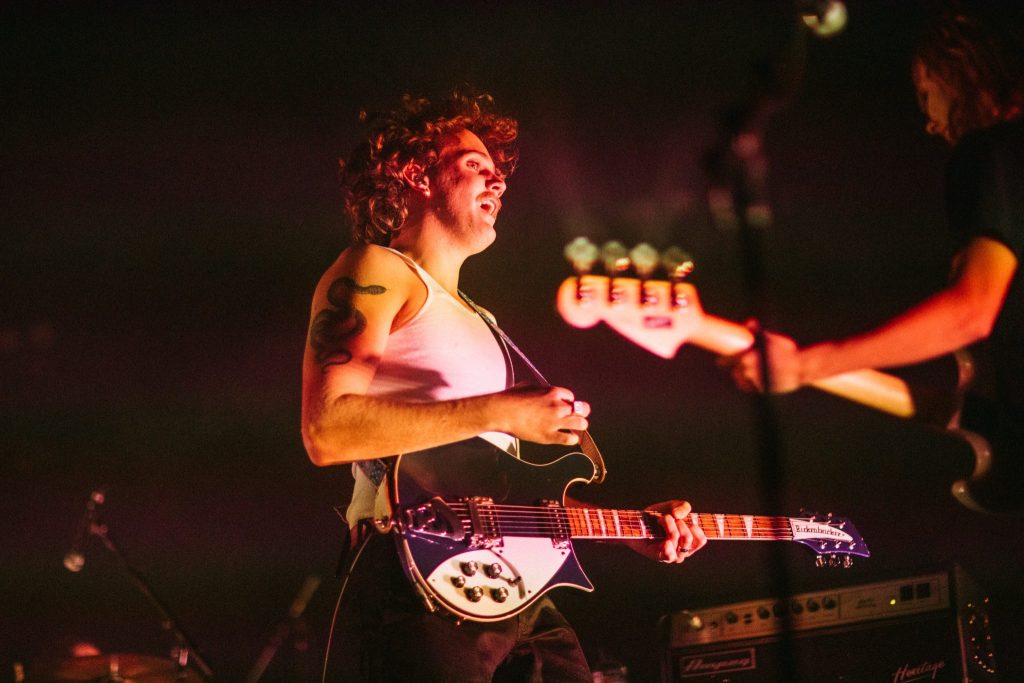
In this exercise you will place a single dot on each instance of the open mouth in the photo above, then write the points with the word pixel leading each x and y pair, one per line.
pixel 490 206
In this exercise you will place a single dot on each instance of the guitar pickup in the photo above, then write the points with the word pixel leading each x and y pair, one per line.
pixel 483 522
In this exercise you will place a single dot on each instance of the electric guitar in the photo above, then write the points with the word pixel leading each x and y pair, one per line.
pixel 482 535
pixel 661 316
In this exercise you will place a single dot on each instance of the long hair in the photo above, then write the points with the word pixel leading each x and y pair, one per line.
pixel 374 190
pixel 981 66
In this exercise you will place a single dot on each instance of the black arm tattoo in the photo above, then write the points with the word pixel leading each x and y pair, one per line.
pixel 333 326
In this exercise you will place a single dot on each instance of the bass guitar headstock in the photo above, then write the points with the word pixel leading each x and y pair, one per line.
pixel 658 315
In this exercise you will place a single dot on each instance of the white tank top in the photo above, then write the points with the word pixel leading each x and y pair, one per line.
pixel 445 351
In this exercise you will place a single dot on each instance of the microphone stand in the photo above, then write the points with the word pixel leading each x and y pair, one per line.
pixel 738 199
pixel 283 629
pixel 186 649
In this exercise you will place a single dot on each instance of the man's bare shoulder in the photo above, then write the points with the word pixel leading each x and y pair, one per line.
pixel 367 269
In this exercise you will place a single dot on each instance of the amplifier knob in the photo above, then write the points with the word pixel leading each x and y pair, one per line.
pixel 812 605
pixel 828 603
pixel 763 613
pixel 731 618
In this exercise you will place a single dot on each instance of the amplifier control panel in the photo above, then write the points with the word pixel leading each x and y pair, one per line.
pixel 821 609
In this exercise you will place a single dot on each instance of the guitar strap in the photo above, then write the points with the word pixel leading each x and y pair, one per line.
pixel 587 444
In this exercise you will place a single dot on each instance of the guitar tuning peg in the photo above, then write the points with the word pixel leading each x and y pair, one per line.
pixel 645 260
pixel 615 258
pixel 677 263
pixel 582 254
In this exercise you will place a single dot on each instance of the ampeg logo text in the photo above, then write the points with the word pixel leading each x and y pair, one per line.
pixel 717 662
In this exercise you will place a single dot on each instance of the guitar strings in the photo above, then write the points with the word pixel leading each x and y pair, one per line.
pixel 531 520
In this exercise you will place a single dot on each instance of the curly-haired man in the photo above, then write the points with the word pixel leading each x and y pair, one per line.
pixel 397 361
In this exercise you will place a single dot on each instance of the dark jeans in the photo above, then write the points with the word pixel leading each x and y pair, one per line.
pixel 384 633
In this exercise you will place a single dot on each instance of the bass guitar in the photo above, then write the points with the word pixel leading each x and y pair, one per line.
pixel 482 534
pixel 660 316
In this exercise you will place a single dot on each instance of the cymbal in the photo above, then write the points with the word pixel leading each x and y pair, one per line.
pixel 130 668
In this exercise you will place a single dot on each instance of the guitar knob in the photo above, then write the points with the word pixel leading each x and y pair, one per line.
pixel 493 570
pixel 499 594
pixel 469 568
pixel 458 581
pixel 475 593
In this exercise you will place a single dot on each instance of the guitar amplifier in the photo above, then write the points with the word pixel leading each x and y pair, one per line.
pixel 932 627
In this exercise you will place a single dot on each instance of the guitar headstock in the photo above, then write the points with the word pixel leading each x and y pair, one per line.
pixel 658 315
pixel 835 540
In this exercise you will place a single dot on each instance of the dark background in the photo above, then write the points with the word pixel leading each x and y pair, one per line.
pixel 169 201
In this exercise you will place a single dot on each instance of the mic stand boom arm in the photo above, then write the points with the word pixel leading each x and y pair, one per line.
pixel 186 649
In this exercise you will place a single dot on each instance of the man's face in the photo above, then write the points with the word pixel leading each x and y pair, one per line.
pixel 936 101
pixel 469 189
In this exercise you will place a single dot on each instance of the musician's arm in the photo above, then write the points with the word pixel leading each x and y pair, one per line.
pixel 362 298
pixel 960 314
pixel 957 316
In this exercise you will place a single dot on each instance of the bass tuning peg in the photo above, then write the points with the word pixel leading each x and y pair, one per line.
pixel 615 258
pixel 677 263
pixel 581 254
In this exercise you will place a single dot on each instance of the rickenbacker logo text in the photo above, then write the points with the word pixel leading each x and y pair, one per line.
pixel 717 662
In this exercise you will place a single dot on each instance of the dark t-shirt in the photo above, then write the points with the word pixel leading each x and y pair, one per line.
pixel 985 198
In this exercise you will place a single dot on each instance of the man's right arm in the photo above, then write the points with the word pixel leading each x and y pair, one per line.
pixel 363 296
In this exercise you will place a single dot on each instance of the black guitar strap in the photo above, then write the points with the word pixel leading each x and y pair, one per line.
pixel 587 444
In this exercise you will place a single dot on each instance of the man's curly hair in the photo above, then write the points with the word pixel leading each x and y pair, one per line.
pixel 371 178
pixel 972 57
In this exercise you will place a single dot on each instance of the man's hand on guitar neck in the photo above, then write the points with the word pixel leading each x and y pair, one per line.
pixel 784 359
pixel 682 539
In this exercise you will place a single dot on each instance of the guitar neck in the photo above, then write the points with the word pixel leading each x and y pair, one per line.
pixel 878 390
pixel 601 524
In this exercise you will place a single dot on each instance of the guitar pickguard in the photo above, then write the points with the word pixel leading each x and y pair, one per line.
pixel 482 578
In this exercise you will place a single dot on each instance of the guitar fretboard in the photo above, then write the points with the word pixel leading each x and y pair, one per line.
pixel 600 523
pixel 624 524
